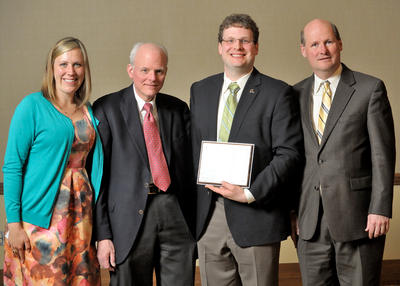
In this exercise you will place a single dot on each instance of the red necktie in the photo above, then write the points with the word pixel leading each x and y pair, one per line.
pixel 158 165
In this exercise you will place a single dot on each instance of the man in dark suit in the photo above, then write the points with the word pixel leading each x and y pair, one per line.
pixel 145 204
pixel 240 230
pixel 347 188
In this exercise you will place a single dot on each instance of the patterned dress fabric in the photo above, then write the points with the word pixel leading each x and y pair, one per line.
pixel 63 254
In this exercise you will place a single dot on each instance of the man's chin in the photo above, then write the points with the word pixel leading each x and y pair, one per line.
pixel 152 92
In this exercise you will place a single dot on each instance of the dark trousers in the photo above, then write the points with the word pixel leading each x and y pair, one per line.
pixel 164 244
pixel 325 262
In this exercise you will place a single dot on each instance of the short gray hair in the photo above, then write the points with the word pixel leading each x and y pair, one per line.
pixel 136 47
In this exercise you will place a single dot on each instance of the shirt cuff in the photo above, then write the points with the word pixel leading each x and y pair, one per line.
pixel 249 196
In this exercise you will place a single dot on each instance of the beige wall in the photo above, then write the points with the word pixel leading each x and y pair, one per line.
pixel 188 28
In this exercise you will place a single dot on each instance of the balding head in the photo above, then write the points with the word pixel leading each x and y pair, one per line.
pixel 320 21
pixel 321 47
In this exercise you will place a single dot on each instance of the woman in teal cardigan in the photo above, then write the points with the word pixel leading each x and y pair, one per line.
pixel 49 196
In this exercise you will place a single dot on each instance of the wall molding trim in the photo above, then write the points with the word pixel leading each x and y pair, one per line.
pixel 397 179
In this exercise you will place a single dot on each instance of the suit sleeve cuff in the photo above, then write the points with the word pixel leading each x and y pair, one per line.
pixel 249 196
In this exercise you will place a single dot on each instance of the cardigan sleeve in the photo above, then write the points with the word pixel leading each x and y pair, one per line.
pixel 96 168
pixel 20 139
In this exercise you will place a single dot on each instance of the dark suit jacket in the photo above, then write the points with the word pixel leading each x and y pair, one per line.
pixel 354 164
pixel 124 191
pixel 267 115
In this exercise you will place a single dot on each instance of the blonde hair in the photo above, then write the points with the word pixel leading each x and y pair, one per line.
pixel 48 83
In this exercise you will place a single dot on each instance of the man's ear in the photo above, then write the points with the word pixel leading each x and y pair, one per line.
pixel 303 50
pixel 129 70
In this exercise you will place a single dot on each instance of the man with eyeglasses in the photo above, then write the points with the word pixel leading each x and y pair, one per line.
pixel 239 230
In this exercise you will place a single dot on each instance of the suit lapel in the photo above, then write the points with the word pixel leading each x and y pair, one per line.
pixel 307 105
pixel 130 114
pixel 249 94
pixel 342 96
pixel 213 94
pixel 165 124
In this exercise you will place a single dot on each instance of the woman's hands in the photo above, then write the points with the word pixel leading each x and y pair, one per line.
pixel 18 240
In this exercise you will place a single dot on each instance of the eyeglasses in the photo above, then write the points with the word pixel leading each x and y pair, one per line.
pixel 231 42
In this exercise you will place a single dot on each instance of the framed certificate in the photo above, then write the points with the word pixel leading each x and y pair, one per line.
pixel 225 161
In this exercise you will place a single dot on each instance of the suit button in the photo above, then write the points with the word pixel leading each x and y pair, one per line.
pixel 141 212
pixel 146 185
pixel 316 188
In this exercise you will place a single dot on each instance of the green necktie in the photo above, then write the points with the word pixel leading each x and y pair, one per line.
pixel 229 112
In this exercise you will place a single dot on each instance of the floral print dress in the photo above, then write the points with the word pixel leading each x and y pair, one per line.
pixel 63 254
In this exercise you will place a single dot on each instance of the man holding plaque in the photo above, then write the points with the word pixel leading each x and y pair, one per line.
pixel 239 229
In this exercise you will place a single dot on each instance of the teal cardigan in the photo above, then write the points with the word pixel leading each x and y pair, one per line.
pixel 39 144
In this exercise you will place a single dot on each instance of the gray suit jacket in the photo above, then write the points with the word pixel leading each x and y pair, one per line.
pixel 354 165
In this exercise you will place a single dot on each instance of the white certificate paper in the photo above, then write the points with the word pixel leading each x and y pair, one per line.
pixel 224 161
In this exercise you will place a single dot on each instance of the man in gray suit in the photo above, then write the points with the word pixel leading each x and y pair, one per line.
pixel 347 187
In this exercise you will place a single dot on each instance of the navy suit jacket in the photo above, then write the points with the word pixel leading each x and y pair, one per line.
pixel 267 115
pixel 122 200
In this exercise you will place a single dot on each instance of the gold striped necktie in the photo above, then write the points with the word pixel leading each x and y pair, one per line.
pixel 324 110
pixel 229 112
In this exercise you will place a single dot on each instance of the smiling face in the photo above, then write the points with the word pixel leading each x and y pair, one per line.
pixel 69 72
pixel 148 71
pixel 238 51
pixel 321 48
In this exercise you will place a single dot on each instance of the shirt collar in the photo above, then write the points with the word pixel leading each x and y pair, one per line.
pixel 333 79
pixel 141 102
pixel 241 81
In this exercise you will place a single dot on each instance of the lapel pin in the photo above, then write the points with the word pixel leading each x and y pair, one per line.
pixel 252 91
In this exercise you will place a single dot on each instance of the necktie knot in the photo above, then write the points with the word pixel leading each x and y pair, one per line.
pixel 233 88
pixel 327 88
pixel 148 107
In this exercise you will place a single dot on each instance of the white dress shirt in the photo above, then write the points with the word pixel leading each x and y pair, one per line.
pixel 318 91
pixel 222 99
pixel 225 93
pixel 142 112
